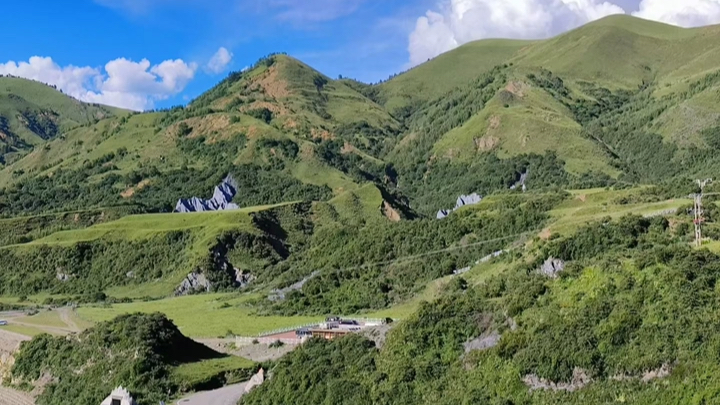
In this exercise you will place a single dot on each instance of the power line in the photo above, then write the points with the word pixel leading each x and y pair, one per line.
pixel 412 258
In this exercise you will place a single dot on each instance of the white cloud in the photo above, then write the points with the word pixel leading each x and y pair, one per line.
pixel 685 13
pixel 122 83
pixel 220 60
pixel 460 21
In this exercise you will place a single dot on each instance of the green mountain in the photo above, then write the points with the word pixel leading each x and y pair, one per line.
pixel 583 286
pixel 32 112
pixel 477 119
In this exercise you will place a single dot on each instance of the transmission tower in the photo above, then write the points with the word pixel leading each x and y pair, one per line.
pixel 698 209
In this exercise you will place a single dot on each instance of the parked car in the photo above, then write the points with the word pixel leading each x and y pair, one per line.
pixel 3 323
pixel 349 322
pixel 303 332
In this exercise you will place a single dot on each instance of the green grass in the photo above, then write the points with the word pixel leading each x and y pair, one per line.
pixel 200 371
pixel 682 123
pixel 364 202
pixel 23 330
pixel 138 227
pixel 449 70
pixel 44 318
pixel 534 123
pixel 40 97
pixel 597 204
pixel 201 315
pixel 310 171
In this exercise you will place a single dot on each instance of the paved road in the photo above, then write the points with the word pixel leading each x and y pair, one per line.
pixel 229 395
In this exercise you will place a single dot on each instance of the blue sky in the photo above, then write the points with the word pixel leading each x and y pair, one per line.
pixel 143 54
pixel 362 39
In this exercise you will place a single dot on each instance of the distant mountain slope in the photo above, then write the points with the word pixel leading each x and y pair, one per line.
pixel 448 70
pixel 617 51
pixel 579 109
pixel 31 112
pixel 286 131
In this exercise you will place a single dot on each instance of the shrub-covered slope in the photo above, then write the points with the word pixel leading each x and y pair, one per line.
pixel 139 352
pixel 630 319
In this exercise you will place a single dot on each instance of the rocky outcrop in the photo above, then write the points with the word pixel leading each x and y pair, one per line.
pixel 221 199
pixel 243 278
pixel 484 342
pixel 659 373
pixel 217 272
pixel 521 182
pixel 462 201
pixel 390 212
pixel 279 294
pixel 255 381
pixel 579 380
pixel 552 267
pixel 194 282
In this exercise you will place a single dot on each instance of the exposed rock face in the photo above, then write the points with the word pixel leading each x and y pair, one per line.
pixel 279 294
pixel 243 278
pixel 580 379
pixel 221 200
pixel 552 267
pixel 462 201
pixel 656 374
pixel 255 381
pixel 390 212
pixel 194 282
pixel 483 342
pixel 521 182
pixel 217 271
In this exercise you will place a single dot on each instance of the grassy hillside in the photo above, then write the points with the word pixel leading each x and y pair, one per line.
pixel 285 131
pixel 448 70
pixel 339 183
pixel 31 112
pixel 618 50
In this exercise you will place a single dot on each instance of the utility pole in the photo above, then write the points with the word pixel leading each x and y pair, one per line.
pixel 698 209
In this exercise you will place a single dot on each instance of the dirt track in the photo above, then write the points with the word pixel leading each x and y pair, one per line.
pixel 9 342
pixel 229 395
pixel 13 397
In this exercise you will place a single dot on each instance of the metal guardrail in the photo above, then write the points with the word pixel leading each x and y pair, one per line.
pixel 371 321
pixel 247 341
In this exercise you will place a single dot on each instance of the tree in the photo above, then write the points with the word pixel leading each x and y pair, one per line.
pixel 319 81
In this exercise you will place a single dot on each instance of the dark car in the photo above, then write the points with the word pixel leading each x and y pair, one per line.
pixel 303 332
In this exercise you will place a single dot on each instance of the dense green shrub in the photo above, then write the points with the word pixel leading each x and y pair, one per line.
pixel 136 351
pixel 638 301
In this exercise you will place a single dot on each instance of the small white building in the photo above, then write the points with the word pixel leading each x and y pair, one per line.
pixel 119 396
